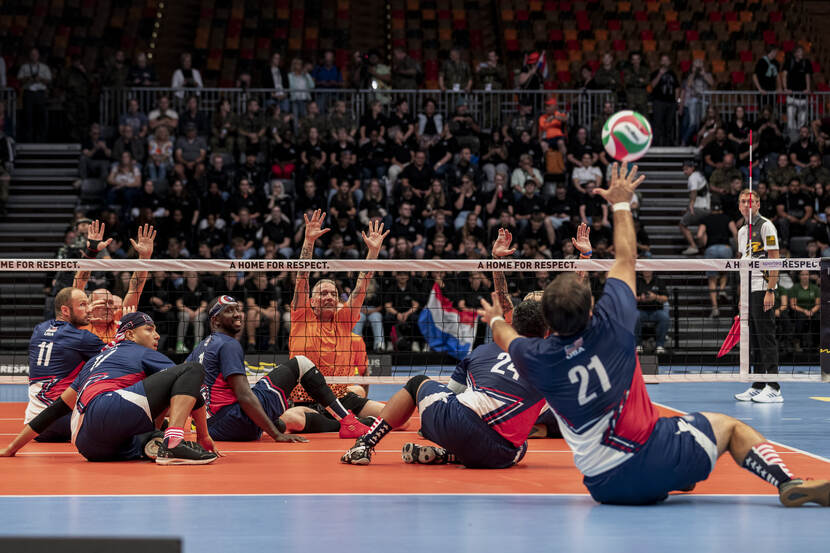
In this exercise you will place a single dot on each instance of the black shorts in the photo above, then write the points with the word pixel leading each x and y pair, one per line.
pixel 350 401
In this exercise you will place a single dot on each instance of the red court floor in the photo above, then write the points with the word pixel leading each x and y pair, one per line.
pixel 313 468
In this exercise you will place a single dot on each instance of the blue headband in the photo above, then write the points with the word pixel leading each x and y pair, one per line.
pixel 220 305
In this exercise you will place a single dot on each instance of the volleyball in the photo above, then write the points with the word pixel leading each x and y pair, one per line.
pixel 626 135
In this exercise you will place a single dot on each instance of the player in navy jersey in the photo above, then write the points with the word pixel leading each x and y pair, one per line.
pixel 588 372
pixel 57 351
pixel 484 425
pixel 241 413
pixel 119 394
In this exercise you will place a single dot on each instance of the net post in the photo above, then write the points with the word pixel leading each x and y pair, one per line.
pixel 824 317
pixel 744 314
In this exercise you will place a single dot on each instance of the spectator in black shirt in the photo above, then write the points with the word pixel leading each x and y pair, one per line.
pixel 176 226
pixel 260 303
pixel 494 159
pixel 252 172
pixel 402 120
pixel 402 308
pixel 406 194
pixel 399 155
pixel 716 233
pixel 796 78
pixel 343 202
pixel 337 250
pixel 213 236
pixel 601 232
pixel 278 230
pixel 148 199
pixel 464 127
pixel 181 198
pixel 373 157
pixel 442 152
pixel 191 308
pixel 766 77
pixel 771 139
pixel 159 305
pixel 729 199
pixel 593 207
pixel 128 142
pixel 580 146
pixel 418 174
pixel 795 213
pixel 529 201
pixel 438 248
pixel 652 303
pixel 308 201
pixel 219 173
pixel 540 231
pixel 246 229
pixel 246 198
pixel 193 115
pixel 372 120
pixel 501 201
pixel 464 166
pixel 443 226
pixel 407 228
pixel 801 150
pixel 467 200
pixel 345 227
pixel 738 130
pixel 213 203
pixel 561 208
pixel 374 204
pixel 312 148
pixel 525 145
pixel 715 151
pixel 95 155
pixel 478 287
pixel 279 197
pixel 664 95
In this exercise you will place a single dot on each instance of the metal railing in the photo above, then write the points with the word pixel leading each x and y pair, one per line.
pixel 490 109
pixel 9 96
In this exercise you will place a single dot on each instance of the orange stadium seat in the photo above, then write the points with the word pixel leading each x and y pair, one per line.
pixel 601 34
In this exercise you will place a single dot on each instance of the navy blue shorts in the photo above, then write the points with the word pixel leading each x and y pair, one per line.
pixel 113 422
pixel 680 452
pixel 231 424
pixel 459 430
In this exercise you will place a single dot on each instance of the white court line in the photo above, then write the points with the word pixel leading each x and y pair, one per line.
pixel 807 453
pixel 223 451
pixel 362 494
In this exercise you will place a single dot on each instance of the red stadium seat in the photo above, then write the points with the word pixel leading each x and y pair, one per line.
pixel 572 45
pixel 555 35
pixel 684 65
pixel 614 25
pixel 619 45
pixel 788 45
pixel 715 16
pixel 730 16
pixel 672 26
pixel 769 37
pixel 560 55
pixel 816 67
pixel 746 56
pixel 563 76
pixel 522 15
pixel 512 45
pixel 647 35
pixel 692 35
pixel 641 16
pixel 775 17
pixel 738 78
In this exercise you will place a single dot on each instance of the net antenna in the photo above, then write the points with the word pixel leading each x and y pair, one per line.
pixel 746 281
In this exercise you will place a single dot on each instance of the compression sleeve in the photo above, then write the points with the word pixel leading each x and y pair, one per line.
pixel 49 415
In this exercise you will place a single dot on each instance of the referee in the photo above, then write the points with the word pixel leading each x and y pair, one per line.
pixel 763 346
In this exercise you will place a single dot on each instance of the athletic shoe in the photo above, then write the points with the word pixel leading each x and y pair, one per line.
pixel 426 454
pixel 748 394
pixel 715 313
pixel 639 349
pixel 798 492
pixel 768 395
pixel 359 454
pixel 181 348
pixel 691 250
pixel 186 453
pixel 350 427
pixel 151 448
pixel 659 349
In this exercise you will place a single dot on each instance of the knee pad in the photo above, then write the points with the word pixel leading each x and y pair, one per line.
pixel 413 384
pixel 304 364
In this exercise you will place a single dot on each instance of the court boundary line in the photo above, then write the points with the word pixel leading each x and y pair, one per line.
pixel 797 450
pixel 360 494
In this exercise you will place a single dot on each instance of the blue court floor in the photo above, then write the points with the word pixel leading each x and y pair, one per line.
pixel 409 521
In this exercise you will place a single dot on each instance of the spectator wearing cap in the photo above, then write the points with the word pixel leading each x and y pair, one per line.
pixel 522 121
pixel 716 232
pixel 531 76
pixel 552 128
pixel 699 201
pixel 190 154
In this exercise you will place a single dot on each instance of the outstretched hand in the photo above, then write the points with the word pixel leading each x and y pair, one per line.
pixel 293 438
pixel 582 242
pixel 623 184
pixel 313 226
pixel 501 247
pixel 95 237
pixel 490 311
pixel 146 238
pixel 374 240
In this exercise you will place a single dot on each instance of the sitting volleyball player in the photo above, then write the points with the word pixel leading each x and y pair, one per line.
pixel 484 425
pixel 58 350
pixel 241 413
pixel 589 373
pixel 120 393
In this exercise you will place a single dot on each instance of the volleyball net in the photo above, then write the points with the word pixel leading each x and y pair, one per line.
pixel 419 316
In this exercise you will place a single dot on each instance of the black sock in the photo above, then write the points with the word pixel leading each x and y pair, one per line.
pixel 315 384
pixel 759 385
pixel 763 461
pixel 315 422
pixel 775 386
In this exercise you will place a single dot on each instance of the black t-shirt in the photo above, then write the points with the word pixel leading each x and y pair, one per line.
pixel 767 72
pixel 737 131
pixel 187 203
pixel 408 231
pixel 276 231
pixel 348 233
pixel 262 297
pixel 315 151
pixel 602 233
pixel 419 179
pixel 193 298
pixel 399 152
pixel 526 206
pixel 717 150
pixel 448 230
pixel 213 236
pixel 400 121
pixel 656 285
pixel 539 234
pixel 666 88
pixel 795 204
pixel 246 232
pixel 443 147
pixel 401 300
pixel 729 204
pixel 286 152
pixel 567 206
pixel 518 148
pixel 304 203
pixel 253 202
pixel 470 202
pixel 717 229
pixel 349 174
pixel 797 72
pixel 578 150
pixel 372 155
pixel 371 123
pixel 504 200
pixel 803 152
pixel 593 205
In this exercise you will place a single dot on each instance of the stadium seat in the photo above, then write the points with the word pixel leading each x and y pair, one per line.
pixel 738 78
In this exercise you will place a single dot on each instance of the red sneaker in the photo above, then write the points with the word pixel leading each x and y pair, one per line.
pixel 352 428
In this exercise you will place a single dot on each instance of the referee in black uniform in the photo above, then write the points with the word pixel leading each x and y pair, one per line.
pixel 763 345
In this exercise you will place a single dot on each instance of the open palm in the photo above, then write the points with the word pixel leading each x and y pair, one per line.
pixel 582 241
pixel 146 238
pixel 314 226
pixel 374 240
pixel 501 247
pixel 95 235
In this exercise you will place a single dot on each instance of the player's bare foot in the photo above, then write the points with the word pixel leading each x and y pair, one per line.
pixel 797 492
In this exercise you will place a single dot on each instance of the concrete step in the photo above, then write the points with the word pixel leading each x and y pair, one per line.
pixel 30 249
pixel 37 227
pixel 40 171
pixel 62 199
pixel 44 179
pixel 49 161
pixel 48 150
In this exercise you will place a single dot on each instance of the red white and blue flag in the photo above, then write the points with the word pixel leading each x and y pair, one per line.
pixel 446 328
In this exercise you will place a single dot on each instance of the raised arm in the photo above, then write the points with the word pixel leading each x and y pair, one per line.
pixel 313 231
pixel 582 243
pixel 492 314
pixel 95 243
pixel 144 247
pixel 622 187
pixel 501 248
pixel 374 241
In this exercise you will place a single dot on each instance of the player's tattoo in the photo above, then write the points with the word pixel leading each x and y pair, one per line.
pixel 500 284
pixel 301 286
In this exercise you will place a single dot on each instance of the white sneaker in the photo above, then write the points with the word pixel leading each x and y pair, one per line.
pixel 768 395
pixel 639 349
pixel 691 250
pixel 749 394
pixel 660 349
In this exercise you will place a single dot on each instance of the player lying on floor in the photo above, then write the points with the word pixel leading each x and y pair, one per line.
pixel 589 373
pixel 118 396
pixel 238 412
pixel 485 425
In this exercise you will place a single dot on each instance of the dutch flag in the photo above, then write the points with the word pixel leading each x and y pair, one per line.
pixel 445 328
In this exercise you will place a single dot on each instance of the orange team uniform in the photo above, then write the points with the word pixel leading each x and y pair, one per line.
pixel 360 359
pixel 553 127
pixel 327 345
pixel 106 335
